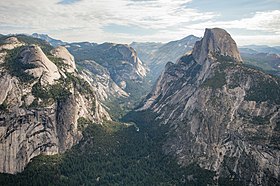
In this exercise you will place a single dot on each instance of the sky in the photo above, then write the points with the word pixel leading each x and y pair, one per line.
pixel 124 21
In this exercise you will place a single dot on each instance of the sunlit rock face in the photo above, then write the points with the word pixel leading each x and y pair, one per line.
pixel 44 69
pixel 221 114
pixel 216 41
pixel 62 53
pixel 40 103
pixel 121 61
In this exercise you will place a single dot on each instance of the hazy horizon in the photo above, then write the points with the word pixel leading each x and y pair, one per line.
pixel 124 21
pixel 30 34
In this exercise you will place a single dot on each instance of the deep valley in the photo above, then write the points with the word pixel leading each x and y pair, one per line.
pixel 194 111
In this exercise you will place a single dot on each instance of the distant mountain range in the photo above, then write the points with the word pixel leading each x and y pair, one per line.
pixel 53 42
pixel 156 55
pixel 263 57
pixel 253 49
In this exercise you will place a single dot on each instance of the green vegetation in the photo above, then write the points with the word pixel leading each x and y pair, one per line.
pixel 3 106
pixel 236 79
pixel 83 123
pixel 254 67
pixel 232 179
pixel 14 65
pixel 112 154
pixel 264 90
pixel 273 73
pixel 263 63
pixel 137 90
pixel 57 61
pixel 274 141
pixel 57 91
pixel 40 92
pixel 34 104
pixel 60 90
pixel 259 120
pixel 45 46
pixel 216 81
pixel 119 107
pixel 224 59
pixel 187 58
pixel 80 84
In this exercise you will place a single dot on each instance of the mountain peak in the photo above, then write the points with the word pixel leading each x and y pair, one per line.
pixel 190 37
pixel 216 41
pixel 46 37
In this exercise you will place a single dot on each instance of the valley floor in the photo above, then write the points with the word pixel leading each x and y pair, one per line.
pixel 112 154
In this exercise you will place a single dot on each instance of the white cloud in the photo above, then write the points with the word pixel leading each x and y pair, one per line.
pixel 272 40
pixel 261 21
pixel 85 20
pixel 88 17
pixel 267 22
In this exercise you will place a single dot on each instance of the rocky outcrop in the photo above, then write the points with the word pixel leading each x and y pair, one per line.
pixel 120 60
pixel 39 114
pixel 221 114
pixel 24 135
pixel 117 74
pixel 10 43
pixel 99 78
pixel 129 53
pixel 62 53
pixel 215 41
pixel 44 69
pixel 122 63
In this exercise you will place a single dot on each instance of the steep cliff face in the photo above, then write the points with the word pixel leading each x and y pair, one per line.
pixel 222 115
pixel 117 74
pixel 215 41
pixel 120 60
pixel 40 103
pixel 100 78
pixel 122 63
pixel 37 64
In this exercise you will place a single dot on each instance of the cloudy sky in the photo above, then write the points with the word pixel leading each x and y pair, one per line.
pixel 124 21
